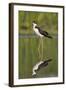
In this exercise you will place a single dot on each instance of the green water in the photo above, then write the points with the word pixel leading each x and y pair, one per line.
pixel 29 56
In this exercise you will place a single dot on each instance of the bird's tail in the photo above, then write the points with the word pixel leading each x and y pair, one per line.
pixel 49 36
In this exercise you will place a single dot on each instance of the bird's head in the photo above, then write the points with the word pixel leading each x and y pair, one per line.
pixel 34 23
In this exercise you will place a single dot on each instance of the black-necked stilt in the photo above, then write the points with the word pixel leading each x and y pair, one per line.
pixel 39 31
pixel 41 34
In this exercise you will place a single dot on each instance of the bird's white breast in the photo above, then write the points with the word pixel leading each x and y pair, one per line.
pixel 37 32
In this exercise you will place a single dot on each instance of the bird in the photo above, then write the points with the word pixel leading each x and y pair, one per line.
pixel 39 31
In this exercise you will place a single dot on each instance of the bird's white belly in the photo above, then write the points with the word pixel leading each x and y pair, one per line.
pixel 37 32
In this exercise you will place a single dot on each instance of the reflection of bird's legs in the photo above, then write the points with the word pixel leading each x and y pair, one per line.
pixel 39 53
pixel 40 49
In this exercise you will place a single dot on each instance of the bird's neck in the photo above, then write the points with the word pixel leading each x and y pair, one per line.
pixel 34 25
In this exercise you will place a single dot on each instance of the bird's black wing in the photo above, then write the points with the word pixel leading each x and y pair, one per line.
pixel 41 31
pixel 46 34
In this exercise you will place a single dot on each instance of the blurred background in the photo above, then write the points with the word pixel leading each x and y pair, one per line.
pixel 29 41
